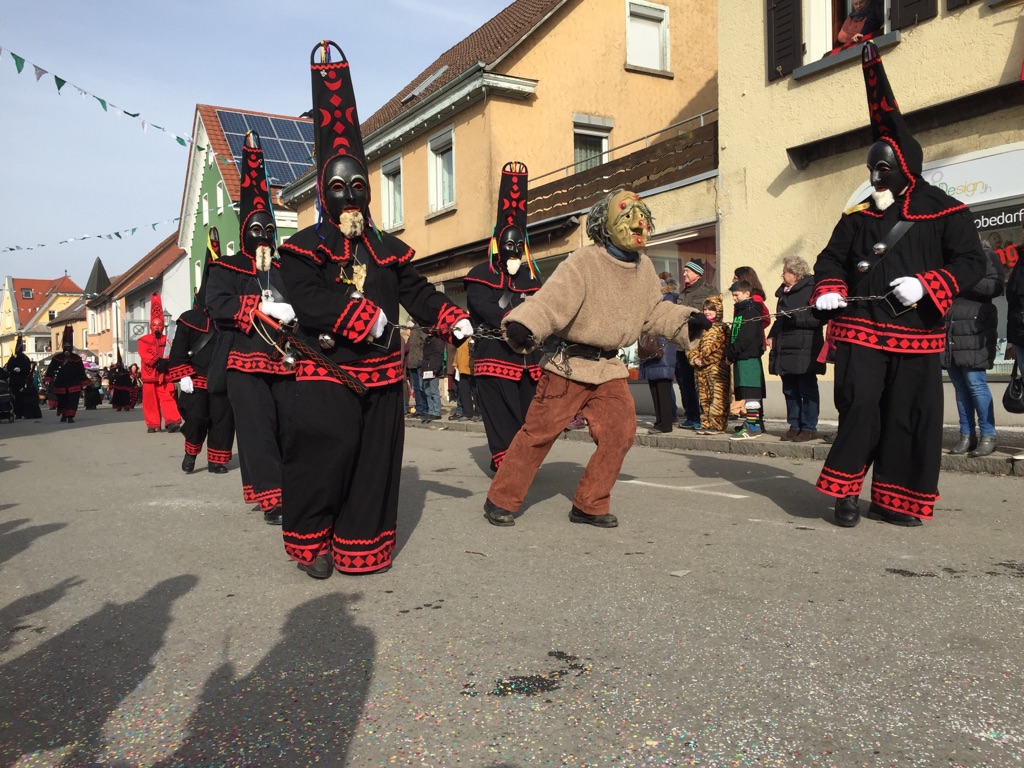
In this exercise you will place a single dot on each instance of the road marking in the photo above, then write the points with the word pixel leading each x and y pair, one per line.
pixel 703 488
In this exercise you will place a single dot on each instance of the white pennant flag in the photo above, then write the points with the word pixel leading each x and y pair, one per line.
pixel 40 72
pixel 81 93
pixel 144 125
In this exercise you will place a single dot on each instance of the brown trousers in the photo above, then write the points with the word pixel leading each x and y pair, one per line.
pixel 611 418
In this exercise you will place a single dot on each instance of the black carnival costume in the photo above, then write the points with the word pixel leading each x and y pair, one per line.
pixel 19 369
pixel 208 416
pixel 341 444
pixel 888 385
pixel 65 377
pixel 239 285
pixel 505 380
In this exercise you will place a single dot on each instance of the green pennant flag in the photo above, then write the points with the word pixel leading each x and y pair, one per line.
pixel 223 160
pixel 102 102
pixel 117 235
pixel 131 114
pixel 153 225
pixel 180 140
pixel 18 61
pixel 60 82
pixel 133 230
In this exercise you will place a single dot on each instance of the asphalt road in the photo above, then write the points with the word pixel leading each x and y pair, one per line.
pixel 149 618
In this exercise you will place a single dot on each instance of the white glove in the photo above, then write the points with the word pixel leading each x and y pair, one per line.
pixel 829 302
pixel 279 310
pixel 908 290
pixel 379 325
pixel 186 385
pixel 17 370
pixel 462 329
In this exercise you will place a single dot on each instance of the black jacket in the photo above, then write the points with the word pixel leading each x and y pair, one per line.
pixel 1015 305
pixel 796 334
pixel 971 323
pixel 433 355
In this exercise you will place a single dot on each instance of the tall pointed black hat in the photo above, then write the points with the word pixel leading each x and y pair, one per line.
pixel 254 190
pixel 887 122
pixel 335 119
pixel 212 255
pixel 512 205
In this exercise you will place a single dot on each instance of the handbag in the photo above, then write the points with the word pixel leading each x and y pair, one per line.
pixel 1013 397
pixel 648 348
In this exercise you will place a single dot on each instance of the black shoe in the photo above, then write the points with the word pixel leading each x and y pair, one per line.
pixel 151 430
pixel 895 518
pixel 847 512
pixel 71 419
pixel 174 427
pixel 321 568
pixel 601 521
pixel 496 515
pixel 63 419
pixel 188 463
pixel 274 515
pixel 219 469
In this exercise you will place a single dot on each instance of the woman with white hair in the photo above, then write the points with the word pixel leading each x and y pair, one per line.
pixel 794 343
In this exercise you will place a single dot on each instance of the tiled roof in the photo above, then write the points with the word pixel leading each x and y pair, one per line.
pixel 486 45
pixel 215 131
pixel 42 290
pixel 74 312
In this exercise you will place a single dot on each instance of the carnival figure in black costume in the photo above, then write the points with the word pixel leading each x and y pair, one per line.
pixel 120 385
pixel 505 379
pixel 208 415
pixel 18 368
pixel 65 377
pixel 343 450
pixel 918 247
pixel 239 285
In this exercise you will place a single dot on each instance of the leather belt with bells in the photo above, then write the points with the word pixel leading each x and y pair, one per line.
pixel 883 246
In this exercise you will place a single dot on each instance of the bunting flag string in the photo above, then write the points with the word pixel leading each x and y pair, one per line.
pixel 120 235
pixel 106 105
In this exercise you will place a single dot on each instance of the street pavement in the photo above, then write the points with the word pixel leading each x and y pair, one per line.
pixel 150 618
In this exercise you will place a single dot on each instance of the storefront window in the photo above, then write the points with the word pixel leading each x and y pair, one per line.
pixel 1001 230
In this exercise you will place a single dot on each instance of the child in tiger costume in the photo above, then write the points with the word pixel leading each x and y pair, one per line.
pixel 711 370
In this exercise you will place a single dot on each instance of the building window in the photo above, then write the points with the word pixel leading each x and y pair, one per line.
pixel 85 339
pixel 52 314
pixel 229 249
pixel 647 35
pixel 391 193
pixel 198 272
pixel 26 293
pixel 590 140
pixel 206 210
pixel 220 197
pixel 441 171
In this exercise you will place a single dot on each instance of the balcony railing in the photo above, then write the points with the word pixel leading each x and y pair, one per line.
pixel 689 152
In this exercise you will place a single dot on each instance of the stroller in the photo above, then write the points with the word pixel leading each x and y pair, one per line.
pixel 6 400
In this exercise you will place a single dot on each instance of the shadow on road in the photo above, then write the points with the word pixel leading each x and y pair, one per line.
pixel 414 498
pixel 14 540
pixel 301 704
pixel 61 693
pixel 12 617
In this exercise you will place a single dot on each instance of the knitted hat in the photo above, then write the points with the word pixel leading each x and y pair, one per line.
pixel 694 266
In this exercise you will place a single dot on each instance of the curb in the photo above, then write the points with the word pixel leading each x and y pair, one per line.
pixel 768 445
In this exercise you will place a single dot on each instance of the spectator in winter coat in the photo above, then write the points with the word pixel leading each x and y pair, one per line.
pixel 970 351
pixel 794 343
pixel 693 295
pixel 432 369
pixel 659 373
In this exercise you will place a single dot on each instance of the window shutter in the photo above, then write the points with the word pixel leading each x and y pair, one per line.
pixel 785 38
pixel 904 13
pixel 953 4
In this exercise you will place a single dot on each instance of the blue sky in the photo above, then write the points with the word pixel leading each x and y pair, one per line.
pixel 69 169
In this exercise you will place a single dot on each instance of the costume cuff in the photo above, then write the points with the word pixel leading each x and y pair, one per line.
pixel 829 285
pixel 941 286
pixel 356 320
pixel 179 372
pixel 449 315
pixel 246 306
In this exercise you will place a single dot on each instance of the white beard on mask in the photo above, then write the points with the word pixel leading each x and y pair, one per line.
pixel 351 223
pixel 264 256
pixel 883 199
pixel 512 265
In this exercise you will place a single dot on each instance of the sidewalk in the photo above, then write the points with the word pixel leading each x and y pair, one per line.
pixel 1011 441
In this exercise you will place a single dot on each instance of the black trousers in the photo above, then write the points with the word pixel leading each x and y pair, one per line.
pixel 503 404
pixel 342 462
pixel 467 395
pixel 661 396
pixel 209 417
pixel 687 387
pixel 254 399
pixel 890 419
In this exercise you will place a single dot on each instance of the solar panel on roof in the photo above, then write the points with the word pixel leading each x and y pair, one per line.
pixel 285 160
